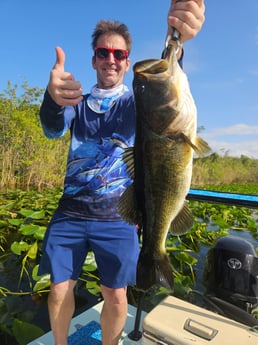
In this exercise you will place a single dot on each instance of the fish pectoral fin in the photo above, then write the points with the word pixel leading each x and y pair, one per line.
pixel 128 158
pixel 186 139
pixel 182 222
pixel 127 206
pixel 202 147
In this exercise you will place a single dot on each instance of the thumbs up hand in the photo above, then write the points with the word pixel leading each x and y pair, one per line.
pixel 62 87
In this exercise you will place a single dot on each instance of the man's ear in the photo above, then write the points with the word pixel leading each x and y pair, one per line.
pixel 93 61
pixel 128 63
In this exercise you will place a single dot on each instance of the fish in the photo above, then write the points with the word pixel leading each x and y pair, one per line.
pixel 160 163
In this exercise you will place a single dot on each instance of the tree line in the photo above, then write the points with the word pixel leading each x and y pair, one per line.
pixel 28 160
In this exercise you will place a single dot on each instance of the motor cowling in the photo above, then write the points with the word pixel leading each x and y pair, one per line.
pixel 231 271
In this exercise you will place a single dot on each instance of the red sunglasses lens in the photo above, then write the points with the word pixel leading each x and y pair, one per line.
pixel 119 54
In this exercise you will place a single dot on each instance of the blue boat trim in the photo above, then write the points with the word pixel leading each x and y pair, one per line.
pixel 244 200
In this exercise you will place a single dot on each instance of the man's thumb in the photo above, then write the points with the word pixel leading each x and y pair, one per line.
pixel 60 59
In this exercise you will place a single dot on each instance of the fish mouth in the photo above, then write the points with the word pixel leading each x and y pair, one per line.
pixel 151 66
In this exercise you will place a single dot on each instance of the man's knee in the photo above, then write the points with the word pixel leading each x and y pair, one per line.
pixel 114 296
pixel 60 291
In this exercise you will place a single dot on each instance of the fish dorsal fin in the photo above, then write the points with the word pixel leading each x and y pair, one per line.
pixel 127 206
pixel 182 222
pixel 128 159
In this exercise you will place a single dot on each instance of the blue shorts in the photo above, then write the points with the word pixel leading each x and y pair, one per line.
pixel 68 240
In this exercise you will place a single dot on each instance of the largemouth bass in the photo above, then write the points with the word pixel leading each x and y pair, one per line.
pixel 160 163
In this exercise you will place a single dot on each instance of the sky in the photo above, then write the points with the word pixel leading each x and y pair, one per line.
pixel 221 61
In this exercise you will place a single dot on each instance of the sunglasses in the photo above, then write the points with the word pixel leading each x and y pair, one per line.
pixel 103 53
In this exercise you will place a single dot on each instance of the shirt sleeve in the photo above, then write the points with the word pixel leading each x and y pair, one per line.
pixel 55 119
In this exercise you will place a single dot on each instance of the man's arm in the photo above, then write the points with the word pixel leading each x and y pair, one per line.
pixel 52 117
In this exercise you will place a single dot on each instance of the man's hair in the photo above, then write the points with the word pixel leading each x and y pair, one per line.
pixel 111 27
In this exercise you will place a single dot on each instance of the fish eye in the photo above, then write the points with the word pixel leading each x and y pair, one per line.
pixel 139 89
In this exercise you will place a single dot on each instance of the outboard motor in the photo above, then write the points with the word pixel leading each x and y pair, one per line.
pixel 231 272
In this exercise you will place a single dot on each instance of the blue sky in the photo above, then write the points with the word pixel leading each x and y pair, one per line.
pixel 221 62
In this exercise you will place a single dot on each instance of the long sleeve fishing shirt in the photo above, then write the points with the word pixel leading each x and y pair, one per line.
pixel 96 175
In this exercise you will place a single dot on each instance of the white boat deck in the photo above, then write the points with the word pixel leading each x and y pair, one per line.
pixel 93 314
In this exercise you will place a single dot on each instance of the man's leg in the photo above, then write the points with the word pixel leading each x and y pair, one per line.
pixel 113 315
pixel 61 309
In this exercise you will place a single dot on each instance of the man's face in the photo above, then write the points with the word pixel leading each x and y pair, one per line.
pixel 110 71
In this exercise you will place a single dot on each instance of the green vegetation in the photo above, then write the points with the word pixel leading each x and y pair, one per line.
pixel 23 220
pixel 24 216
pixel 31 177
pixel 217 170
pixel 28 160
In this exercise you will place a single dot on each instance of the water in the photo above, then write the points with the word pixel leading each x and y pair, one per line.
pixel 10 271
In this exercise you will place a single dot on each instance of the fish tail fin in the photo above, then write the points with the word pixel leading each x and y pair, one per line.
pixel 154 271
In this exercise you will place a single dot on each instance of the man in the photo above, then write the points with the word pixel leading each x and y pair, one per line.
pixel 102 125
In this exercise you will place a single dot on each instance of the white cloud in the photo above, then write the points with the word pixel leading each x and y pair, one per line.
pixel 240 129
pixel 246 148
pixel 236 140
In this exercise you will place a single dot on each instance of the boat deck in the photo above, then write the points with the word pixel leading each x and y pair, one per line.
pixel 86 325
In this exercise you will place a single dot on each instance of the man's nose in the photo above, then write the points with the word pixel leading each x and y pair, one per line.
pixel 110 57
